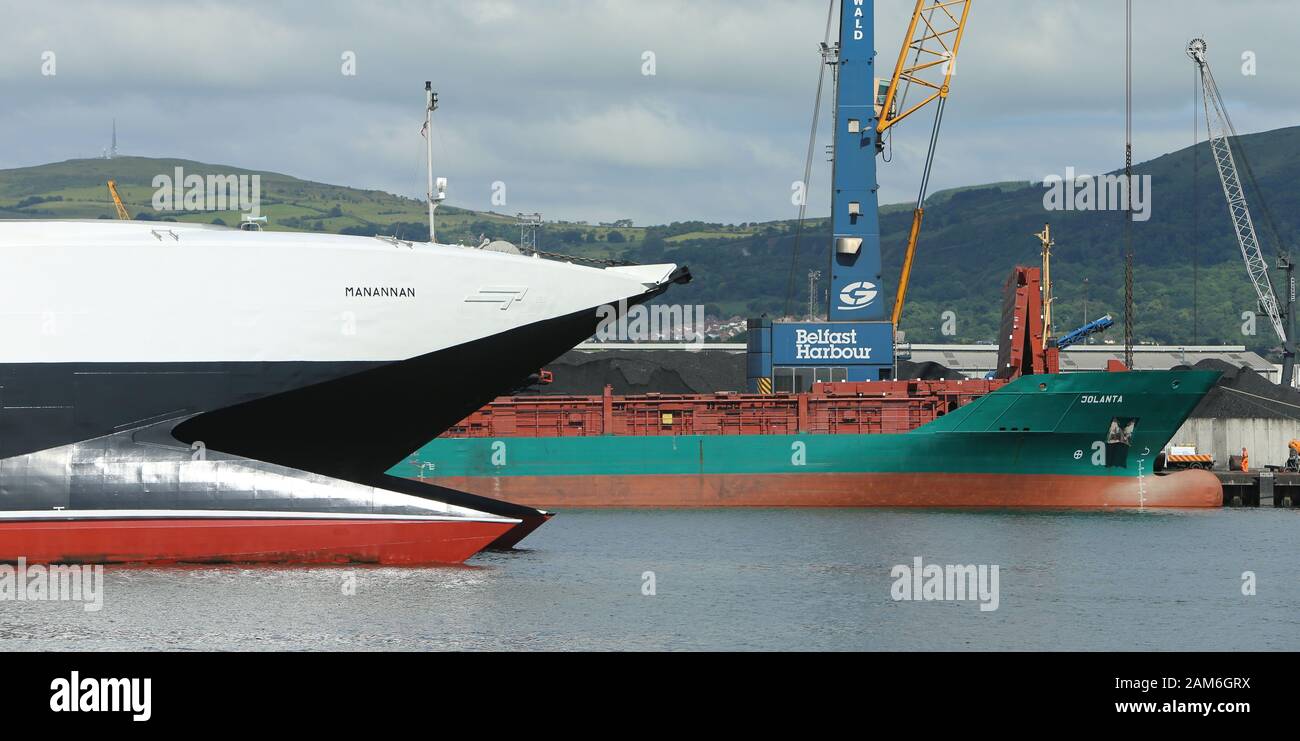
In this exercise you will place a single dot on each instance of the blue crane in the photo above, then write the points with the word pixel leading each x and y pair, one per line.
pixel 1079 335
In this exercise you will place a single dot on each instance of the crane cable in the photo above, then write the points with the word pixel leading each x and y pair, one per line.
pixel 807 166
pixel 1128 179
pixel 1196 169
pixel 929 156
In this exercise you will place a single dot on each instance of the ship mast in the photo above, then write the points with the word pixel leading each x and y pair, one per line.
pixel 1045 237
pixel 434 197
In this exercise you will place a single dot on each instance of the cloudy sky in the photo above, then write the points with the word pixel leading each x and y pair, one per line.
pixel 548 96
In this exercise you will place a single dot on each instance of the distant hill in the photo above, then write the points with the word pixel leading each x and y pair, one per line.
pixel 971 239
pixel 973 236
pixel 77 189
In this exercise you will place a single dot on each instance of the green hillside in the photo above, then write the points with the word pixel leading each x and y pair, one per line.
pixel 76 189
pixel 972 237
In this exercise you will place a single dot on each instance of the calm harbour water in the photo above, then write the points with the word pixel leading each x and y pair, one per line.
pixel 736 579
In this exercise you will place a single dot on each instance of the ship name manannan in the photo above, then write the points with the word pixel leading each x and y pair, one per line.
pixel 379 292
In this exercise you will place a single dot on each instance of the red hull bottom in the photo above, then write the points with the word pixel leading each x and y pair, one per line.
pixel 1180 489
pixel 302 541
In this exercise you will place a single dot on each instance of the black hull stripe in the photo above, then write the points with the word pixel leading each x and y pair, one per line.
pixel 350 421
pixel 358 427
pixel 46 405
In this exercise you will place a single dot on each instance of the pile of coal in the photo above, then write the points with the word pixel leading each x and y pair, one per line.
pixel 1241 392
pixel 583 373
pixel 927 371
pixel 647 371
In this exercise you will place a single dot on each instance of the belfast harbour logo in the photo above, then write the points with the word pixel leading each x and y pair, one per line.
pixel 829 344
pixel 858 295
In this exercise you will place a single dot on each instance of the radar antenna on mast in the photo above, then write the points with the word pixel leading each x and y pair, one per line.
pixel 437 192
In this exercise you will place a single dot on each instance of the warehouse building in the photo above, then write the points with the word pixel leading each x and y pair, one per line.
pixel 974 361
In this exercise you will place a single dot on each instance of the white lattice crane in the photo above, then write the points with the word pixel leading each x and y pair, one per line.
pixel 1220 130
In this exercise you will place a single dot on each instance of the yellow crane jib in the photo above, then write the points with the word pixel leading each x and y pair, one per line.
pixel 904 277
pixel 933 39
pixel 117 201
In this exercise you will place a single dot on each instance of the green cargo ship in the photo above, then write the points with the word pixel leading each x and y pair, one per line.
pixel 1052 440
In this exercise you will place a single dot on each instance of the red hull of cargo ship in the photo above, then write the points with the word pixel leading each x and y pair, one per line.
pixel 1179 489
pixel 245 541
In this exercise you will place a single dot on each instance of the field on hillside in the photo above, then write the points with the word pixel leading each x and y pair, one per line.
pixel 77 189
